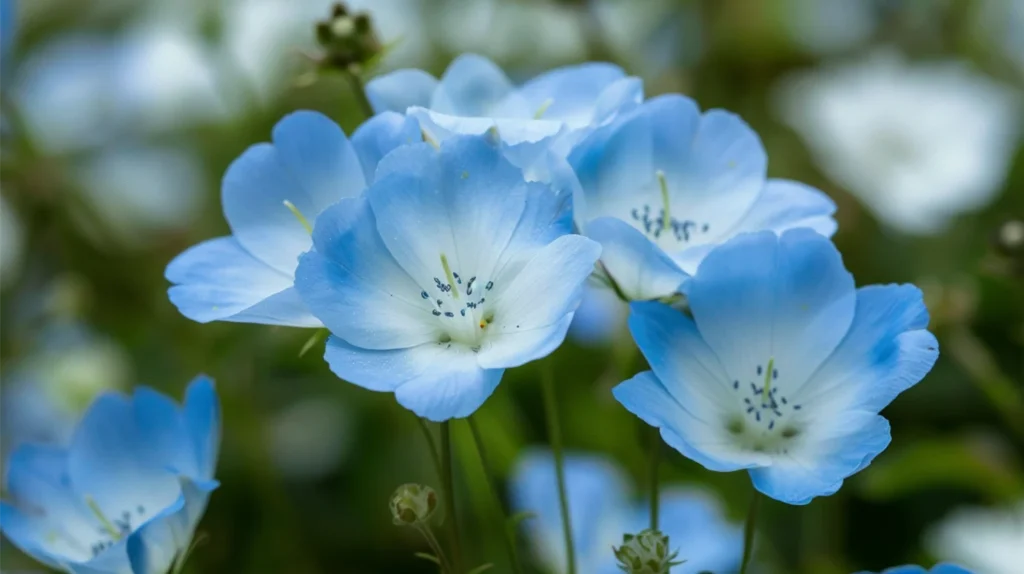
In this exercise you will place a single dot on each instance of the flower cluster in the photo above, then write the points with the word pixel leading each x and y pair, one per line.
pixel 450 239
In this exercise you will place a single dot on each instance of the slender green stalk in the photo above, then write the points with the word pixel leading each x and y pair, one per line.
pixel 359 91
pixel 510 542
pixel 428 534
pixel 449 495
pixel 555 431
pixel 429 436
pixel 655 461
pixel 748 531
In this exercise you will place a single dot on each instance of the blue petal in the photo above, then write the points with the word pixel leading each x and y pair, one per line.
pixel 27 531
pixel 218 280
pixel 453 387
pixel 784 205
pixel 471 86
pixel 713 165
pixel 106 462
pixel 380 135
pixel 639 268
pixel 401 89
pixel 569 93
pixel 468 206
pixel 203 424
pixel 646 397
pixel 838 448
pixel 597 495
pixel 558 270
pixel 161 428
pixel 153 547
pixel 354 285
pixel 432 380
pixel 512 131
pixel 886 351
pixel 599 319
pixel 760 297
pixel 311 164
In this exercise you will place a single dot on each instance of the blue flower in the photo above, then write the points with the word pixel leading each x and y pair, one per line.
pixel 271 194
pixel 783 368
pixel 601 512
pixel 474 95
pixel 663 184
pixel 126 496
pixel 449 270
pixel 938 569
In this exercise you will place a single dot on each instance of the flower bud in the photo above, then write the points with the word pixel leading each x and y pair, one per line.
pixel 413 504
pixel 645 553
pixel 349 40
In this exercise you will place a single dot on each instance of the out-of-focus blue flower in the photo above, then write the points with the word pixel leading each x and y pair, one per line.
pixel 783 368
pixel 474 95
pixel 449 270
pixel 663 184
pixel 938 569
pixel 601 512
pixel 8 18
pixel 45 393
pixel 600 318
pixel 126 496
pixel 271 196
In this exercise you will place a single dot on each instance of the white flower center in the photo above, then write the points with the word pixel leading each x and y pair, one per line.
pixel 460 304
pixel 767 420
pixel 654 217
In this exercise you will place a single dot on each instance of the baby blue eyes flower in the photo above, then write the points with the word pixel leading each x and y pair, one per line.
pixel 474 95
pixel 663 184
pixel 450 269
pixel 601 512
pixel 783 368
pixel 938 569
pixel 271 196
pixel 127 495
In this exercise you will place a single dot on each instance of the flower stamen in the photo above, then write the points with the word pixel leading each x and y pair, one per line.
pixel 105 522
pixel 666 216
pixel 449 276
pixel 298 215
pixel 543 108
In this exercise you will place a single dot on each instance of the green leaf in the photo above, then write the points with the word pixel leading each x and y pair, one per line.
pixel 977 463
pixel 481 568
pixel 429 557
pixel 312 341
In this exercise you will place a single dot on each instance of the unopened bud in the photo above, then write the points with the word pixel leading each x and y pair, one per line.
pixel 645 553
pixel 348 40
pixel 413 504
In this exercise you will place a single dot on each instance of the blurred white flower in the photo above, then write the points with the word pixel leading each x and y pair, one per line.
pixel 10 243
pixel 984 540
pixel 824 26
pixel 82 91
pixel 310 438
pixel 917 143
pixel 664 35
pixel 497 29
pixel 45 393
pixel 142 190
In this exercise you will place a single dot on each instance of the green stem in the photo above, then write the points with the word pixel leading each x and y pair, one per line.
pixel 748 531
pixel 431 445
pixel 510 542
pixel 449 494
pixel 555 431
pixel 359 91
pixel 655 461
pixel 428 534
